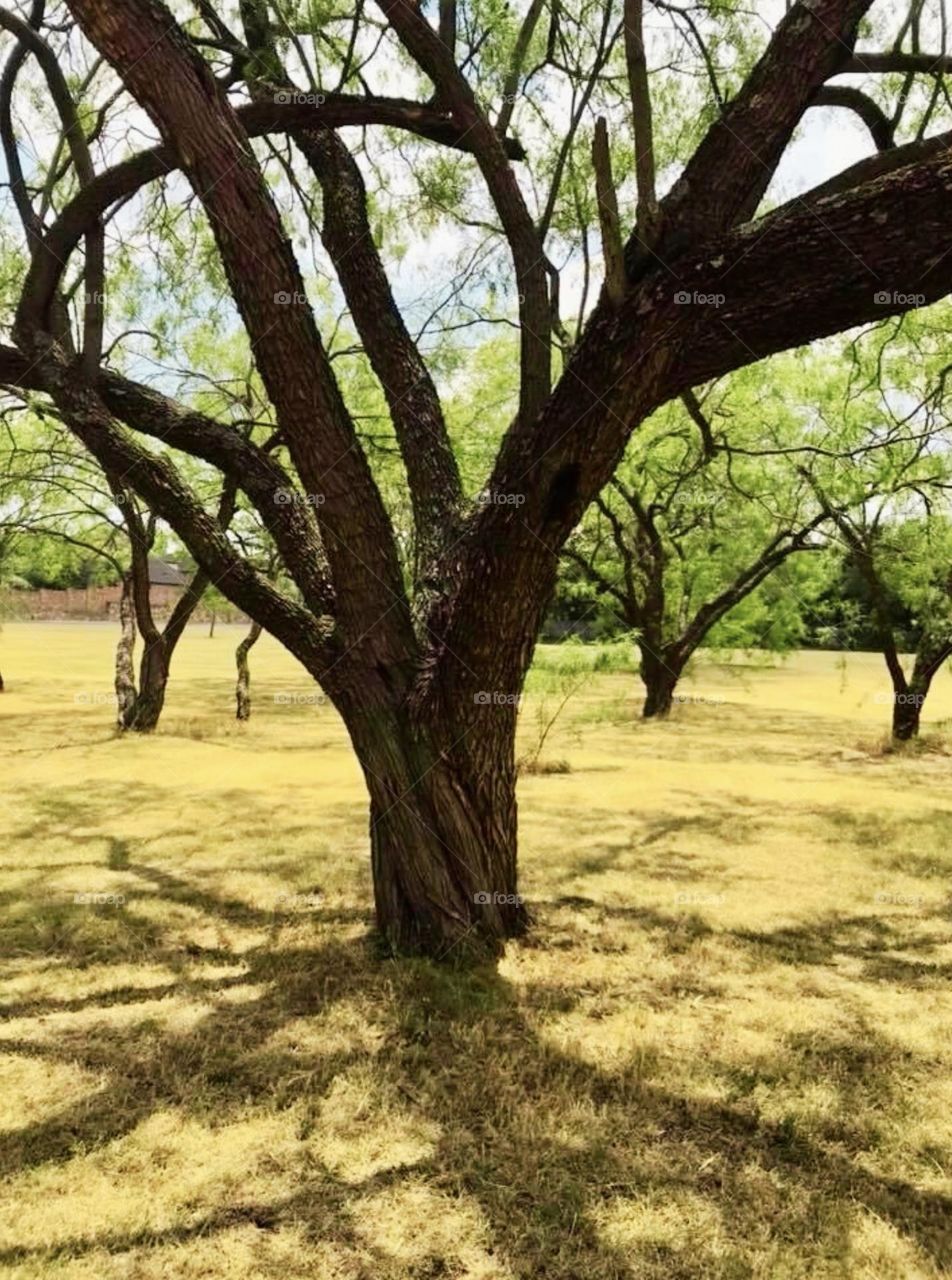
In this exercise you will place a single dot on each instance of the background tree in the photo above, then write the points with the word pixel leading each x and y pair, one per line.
pixel 906 565
pixel 73 522
pixel 693 523
pixel 889 501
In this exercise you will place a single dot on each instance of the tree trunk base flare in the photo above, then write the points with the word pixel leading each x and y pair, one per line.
pixel 659 696
pixel 660 672
pixel 144 713
pixel 907 711
pixel 141 710
pixel 443 852
pixel 657 705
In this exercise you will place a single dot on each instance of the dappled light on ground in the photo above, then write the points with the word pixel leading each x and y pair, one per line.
pixel 724 1051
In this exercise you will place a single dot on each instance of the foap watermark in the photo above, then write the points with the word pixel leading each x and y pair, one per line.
pixel 286 97
pixel 94 698
pixel 285 299
pixel 290 497
pixel 484 899
pixel 693 298
pixel 901 699
pixel 899 900
pixel 299 698
pixel 694 898
pixel 896 298
pixel 298 901
pixel 492 499
pixel 97 899
pixel 702 699
pixel 495 698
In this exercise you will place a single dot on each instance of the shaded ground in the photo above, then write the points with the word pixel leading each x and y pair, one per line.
pixel 725 1050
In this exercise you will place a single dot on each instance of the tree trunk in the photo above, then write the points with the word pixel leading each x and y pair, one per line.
pixel 125 648
pixel 243 686
pixel 907 709
pixel 141 714
pixel 660 673
pixel 909 697
pixel 153 678
pixel 211 630
pixel 443 837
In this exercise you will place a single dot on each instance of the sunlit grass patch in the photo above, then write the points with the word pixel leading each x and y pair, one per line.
pixel 723 1051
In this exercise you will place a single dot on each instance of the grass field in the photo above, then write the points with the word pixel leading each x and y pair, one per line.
pixel 724 1052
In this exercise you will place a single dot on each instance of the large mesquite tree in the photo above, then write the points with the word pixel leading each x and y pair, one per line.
pixel 425 666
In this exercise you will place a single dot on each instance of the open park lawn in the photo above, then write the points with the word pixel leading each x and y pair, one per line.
pixel 724 1051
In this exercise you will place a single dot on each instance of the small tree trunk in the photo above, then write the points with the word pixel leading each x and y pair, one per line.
pixel 443 838
pixel 153 678
pixel 211 629
pixel 909 697
pixel 907 710
pixel 143 715
pixel 243 686
pixel 660 675
pixel 125 648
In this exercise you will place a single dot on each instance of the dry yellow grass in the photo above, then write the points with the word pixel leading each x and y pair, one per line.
pixel 724 1052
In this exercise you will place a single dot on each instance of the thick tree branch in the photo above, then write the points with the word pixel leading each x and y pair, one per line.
pixel 616 281
pixel 876 166
pixel 169 79
pixel 725 179
pixel 165 493
pixel 284 511
pixel 865 62
pixel 258 119
pixel 803 273
pixel 643 128
pixel 415 410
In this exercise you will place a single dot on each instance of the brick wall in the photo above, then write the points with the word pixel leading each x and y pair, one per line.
pixel 92 603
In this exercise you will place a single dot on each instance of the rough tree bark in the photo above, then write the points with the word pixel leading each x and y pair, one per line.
pixel 443 832
pixel 126 693
pixel 243 683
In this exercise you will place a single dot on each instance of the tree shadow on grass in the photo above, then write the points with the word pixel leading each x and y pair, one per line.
pixel 540 1140
pixel 871 938
pixel 547 1146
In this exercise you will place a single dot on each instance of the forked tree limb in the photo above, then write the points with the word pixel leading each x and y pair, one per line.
pixel 171 81
pixel 416 413
pixel 725 180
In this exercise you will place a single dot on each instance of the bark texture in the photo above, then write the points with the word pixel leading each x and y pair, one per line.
pixel 243 683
